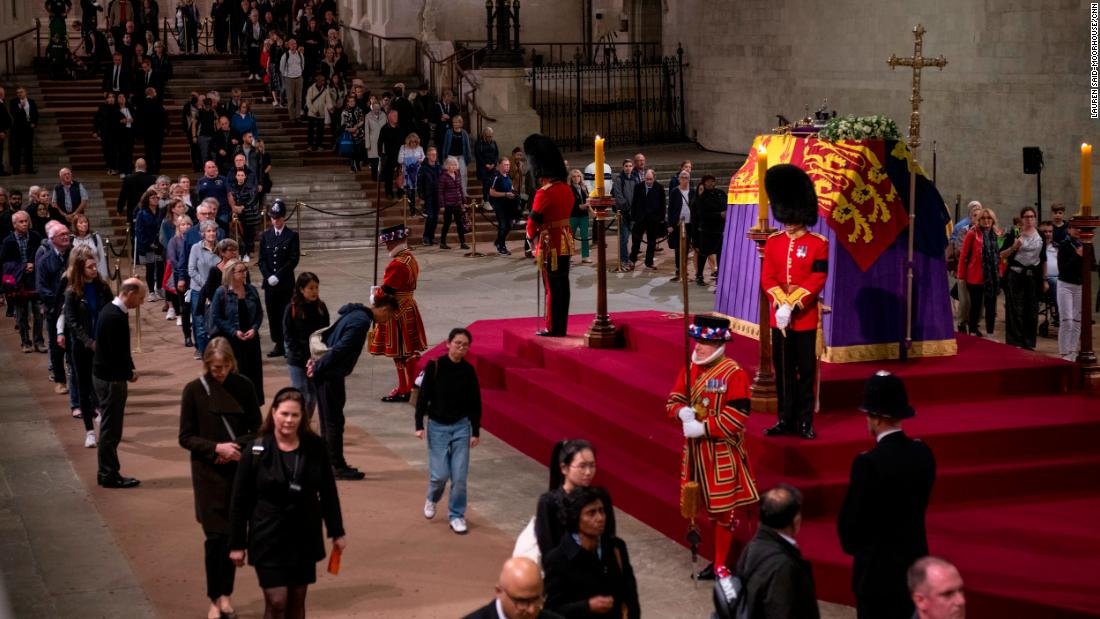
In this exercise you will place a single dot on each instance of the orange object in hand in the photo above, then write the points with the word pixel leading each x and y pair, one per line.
pixel 334 561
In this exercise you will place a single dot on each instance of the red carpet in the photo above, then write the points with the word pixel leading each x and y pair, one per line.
pixel 1018 485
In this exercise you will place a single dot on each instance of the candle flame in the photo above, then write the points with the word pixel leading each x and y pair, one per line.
pixel 763 150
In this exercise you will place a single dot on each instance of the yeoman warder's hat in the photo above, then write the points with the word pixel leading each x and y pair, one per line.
pixel 393 233
pixel 708 328
pixel 791 193
pixel 884 396
pixel 543 158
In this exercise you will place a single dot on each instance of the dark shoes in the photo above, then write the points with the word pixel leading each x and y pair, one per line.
pixel 348 473
pixel 707 573
pixel 188 343
pixel 444 246
pixel 464 246
pixel 778 429
pixel 118 481
pixel 548 333
pixel 277 352
pixel 396 396
pixel 807 431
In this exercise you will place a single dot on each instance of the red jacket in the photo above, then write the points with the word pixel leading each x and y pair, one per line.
pixel 794 273
pixel 548 226
pixel 970 258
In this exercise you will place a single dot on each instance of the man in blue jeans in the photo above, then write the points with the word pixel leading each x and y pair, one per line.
pixel 451 398
pixel 622 189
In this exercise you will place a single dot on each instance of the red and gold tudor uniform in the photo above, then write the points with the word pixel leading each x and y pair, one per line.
pixel 548 229
pixel 794 271
pixel 718 393
pixel 401 337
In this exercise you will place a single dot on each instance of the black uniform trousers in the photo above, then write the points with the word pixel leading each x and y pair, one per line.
pixel 331 398
pixel 794 356
pixel 277 298
pixel 112 399
pixel 556 284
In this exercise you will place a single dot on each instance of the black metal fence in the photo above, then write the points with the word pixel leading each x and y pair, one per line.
pixel 634 101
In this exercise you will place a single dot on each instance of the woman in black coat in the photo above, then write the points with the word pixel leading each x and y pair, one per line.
pixel 85 295
pixel 283 490
pixel 572 465
pixel 104 129
pixel 589 573
pixel 235 314
pixel 305 314
pixel 124 135
pixel 218 415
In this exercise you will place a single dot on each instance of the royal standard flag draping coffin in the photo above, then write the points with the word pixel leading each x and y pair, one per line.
pixel 863 193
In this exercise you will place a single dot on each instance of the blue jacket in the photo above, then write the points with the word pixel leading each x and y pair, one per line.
pixel 176 252
pixel 224 311
pixel 345 341
pixel 216 188
pixel 146 230
pixel 49 268
pixel 467 153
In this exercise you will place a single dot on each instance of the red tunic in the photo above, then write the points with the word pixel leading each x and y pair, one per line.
pixel 403 334
pixel 794 273
pixel 548 226
pixel 718 458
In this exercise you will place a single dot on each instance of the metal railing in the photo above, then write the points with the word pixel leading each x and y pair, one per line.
pixel 392 55
pixel 539 53
pixel 10 46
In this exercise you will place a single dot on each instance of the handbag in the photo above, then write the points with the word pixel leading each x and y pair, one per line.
pixel 527 545
pixel 317 346
pixel 345 147
pixel 420 381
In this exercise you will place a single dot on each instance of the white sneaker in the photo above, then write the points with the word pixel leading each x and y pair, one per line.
pixel 429 509
pixel 171 313
pixel 458 525
pixel 179 321
pixel 89 439
pixel 246 259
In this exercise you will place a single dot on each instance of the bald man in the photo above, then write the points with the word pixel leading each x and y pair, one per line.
pixel 937 589
pixel 519 593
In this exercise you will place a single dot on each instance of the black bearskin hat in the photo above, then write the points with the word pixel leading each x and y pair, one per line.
pixel 792 195
pixel 544 160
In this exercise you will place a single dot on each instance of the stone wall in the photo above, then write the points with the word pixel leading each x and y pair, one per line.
pixel 1017 75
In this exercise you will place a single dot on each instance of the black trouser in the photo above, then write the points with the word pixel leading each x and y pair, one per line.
pixel 556 284
pixel 331 397
pixel 57 353
pixel 220 570
pixel 707 247
pixel 112 400
pixel 315 132
pixel 27 314
pixel 221 36
pixel 455 214
pixel 152 147
pixel 977 300
pixel 184 312
pixel 248 238
pixel 276 298
pixel 1021 306
pixel 82 367
pixel 505 220
pixel 21 148
pixel 795 360
pixel 373 163
pixel 431 219
pixel 652 231
pixel 151 276
pixel 254 67
pixel 389 168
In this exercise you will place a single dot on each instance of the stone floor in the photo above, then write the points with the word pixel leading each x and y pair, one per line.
pixel 71 549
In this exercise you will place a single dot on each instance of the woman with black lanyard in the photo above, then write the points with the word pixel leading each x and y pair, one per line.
pixel 1025 277
pixel 218 414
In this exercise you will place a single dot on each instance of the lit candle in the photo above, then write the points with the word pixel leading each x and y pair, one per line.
pixel 1086 180
pixel 761 170
pixel 599 167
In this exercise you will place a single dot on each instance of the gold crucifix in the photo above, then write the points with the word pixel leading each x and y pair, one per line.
pixel 917 62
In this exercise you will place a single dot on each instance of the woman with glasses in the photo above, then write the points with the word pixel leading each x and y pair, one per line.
pixel 451 398
pixel 1025 279
pixel 572 466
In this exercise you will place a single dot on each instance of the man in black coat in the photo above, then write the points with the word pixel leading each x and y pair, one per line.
pixel 112 370
pixel 519 593
pixel 24 120
pixel 778 583
pixel 5 128
pixel 390 140
pixel 118 78
pixel 133 186
pixel 648 213
pixel 881 523
pixel 153 122
pixel 709 227
pixel 345 340
pixel 279 254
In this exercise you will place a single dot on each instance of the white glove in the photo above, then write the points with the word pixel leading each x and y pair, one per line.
pixel 686 414
pixel 373 292
pixel 783 316
pixel 694 429
pixel 272 280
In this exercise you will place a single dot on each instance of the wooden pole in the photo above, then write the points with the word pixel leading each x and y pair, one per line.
pixel 762 392
pixel 602 333
pixel 1086 356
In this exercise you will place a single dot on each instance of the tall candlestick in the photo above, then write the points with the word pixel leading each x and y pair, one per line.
pixel 1086 179
pixel 599 168
pixel 761 170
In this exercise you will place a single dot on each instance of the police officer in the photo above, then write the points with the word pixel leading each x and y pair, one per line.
pixel 279 253
pixel 881 523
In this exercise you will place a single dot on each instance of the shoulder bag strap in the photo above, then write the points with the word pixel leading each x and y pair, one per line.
pixel 225 422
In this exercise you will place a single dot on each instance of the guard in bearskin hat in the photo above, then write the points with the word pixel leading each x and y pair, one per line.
pixel 712 407
pixel 796 262
pixel 881 522
pixel 402 337
pixel 548 228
